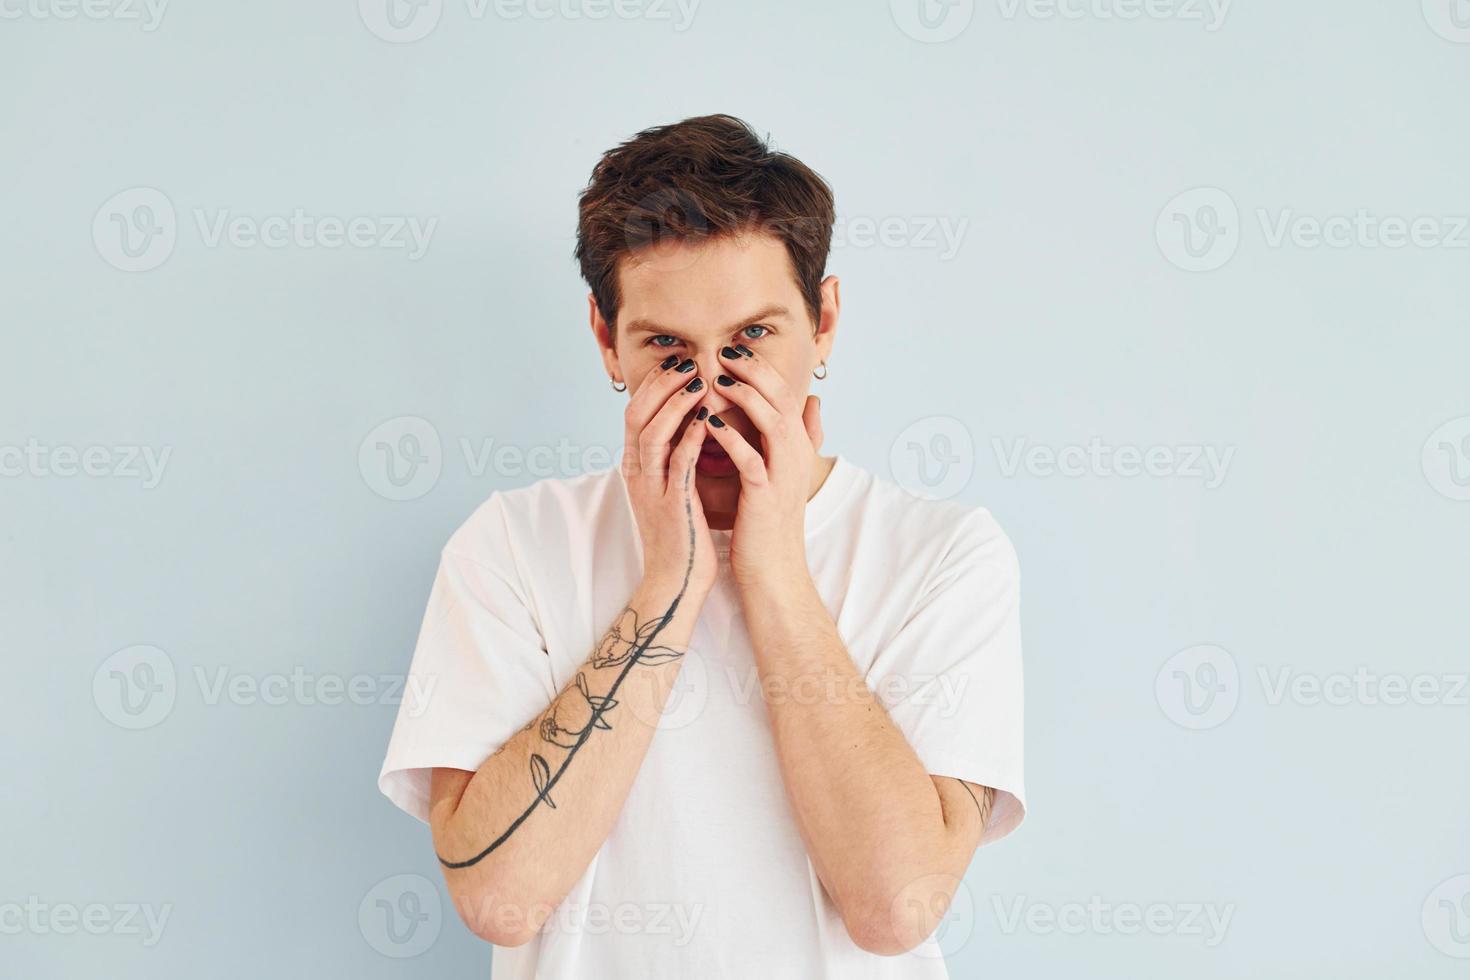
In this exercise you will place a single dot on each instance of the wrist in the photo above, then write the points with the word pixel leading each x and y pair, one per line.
pixel 780 585
pixel 660 590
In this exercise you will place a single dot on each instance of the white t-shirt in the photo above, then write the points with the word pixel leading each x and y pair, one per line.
pixel 704 874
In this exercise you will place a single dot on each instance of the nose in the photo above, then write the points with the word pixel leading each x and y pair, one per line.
pixel 710 366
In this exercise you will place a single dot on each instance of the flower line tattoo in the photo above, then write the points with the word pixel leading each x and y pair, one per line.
pixel 569 725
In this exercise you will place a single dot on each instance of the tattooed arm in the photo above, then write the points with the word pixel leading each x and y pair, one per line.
pixel 516 835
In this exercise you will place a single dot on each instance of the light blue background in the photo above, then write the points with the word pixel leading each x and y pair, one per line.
pixel 1058 141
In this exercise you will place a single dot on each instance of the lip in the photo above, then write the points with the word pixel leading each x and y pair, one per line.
pixel 715 464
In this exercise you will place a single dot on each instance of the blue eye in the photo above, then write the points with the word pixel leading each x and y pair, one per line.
pixel 657 339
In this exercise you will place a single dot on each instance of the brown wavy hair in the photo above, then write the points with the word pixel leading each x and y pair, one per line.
pixel 702 178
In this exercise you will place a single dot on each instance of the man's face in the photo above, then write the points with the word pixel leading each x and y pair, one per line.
pixel 692 298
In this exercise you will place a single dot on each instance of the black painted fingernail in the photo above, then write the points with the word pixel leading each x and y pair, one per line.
pixel 670 361
pixel 716 421
pixel 703 411
pixel 687 366
pixel 729 352
pixel 694 385
pixel 725 380
pixel 745 350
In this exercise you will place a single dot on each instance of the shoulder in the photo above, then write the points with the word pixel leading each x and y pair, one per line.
pixel 943 532
pixel 535 516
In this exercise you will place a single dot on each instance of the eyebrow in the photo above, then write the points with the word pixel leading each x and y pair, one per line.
pixel 773 312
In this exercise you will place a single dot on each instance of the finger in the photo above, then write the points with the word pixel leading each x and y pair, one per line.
pixel 752 468
pixel 642 404
pixel 658 383
pixel 767 417
pixel 757 372
pixel 811 417
pixel 685 455
pixel 653 393
pixel 654 442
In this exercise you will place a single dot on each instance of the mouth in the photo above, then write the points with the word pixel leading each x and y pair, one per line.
pixel 714 461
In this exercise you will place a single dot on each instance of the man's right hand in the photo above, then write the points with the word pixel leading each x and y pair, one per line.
pixel 660 477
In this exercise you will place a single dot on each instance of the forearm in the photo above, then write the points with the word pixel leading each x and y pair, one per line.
pixel 529 821
pixel 867 810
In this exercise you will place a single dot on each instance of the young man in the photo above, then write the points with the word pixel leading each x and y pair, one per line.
pixel 732 708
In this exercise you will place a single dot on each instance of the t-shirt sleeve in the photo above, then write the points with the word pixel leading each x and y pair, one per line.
pixel 480 670
pixel 951 676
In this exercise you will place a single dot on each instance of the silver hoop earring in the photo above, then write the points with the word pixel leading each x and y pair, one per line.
pixel 819 377
pixel 615 382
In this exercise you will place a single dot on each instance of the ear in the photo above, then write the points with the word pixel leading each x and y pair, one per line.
pixel 811 416
pixel 602 333
pixel 826 333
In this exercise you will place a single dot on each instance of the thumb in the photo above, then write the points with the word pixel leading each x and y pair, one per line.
pixel 811 416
